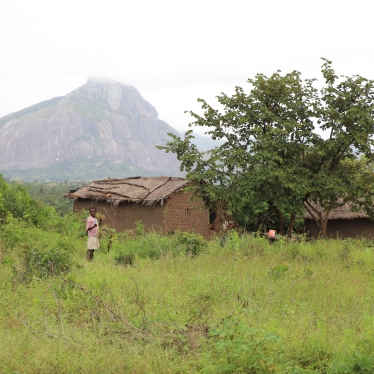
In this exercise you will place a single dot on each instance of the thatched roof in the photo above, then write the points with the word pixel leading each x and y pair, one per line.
pixel 343 212
pixel 145 191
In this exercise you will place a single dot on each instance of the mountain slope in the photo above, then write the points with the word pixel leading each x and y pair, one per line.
pixel 102 122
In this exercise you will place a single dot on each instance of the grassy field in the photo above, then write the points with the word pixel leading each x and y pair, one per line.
pixel 156 304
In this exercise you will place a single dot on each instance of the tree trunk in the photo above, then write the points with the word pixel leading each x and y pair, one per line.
pixel 291 225
pixel 320 217
pixel 323 229
pixel 281 223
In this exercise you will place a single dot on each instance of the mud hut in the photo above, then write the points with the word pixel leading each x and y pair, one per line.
pixel 160 203
pixel 342 223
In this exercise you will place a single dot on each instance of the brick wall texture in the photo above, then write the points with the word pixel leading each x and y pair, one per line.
pixel 177 213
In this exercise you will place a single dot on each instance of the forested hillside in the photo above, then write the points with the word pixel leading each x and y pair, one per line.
pixel 52 194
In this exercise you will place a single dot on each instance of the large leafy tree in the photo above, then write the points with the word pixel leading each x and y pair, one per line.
pixel 272 151
pixel 345 111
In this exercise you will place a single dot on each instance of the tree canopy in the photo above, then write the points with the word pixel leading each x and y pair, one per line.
pixel 285 144
pixel 16 201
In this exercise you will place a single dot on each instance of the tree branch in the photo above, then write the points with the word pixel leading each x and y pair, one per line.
pixel 138 331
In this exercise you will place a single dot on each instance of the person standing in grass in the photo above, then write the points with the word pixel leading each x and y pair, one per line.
pixel 92 228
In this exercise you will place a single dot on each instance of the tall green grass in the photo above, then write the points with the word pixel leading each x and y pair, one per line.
pixel 181 306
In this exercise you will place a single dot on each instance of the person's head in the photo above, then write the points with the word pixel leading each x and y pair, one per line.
pixel 93 212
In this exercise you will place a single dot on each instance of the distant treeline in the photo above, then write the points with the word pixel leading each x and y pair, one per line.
pixel 52 194
pixel 77 170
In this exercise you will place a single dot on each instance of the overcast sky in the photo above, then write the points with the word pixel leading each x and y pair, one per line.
pixel 174 52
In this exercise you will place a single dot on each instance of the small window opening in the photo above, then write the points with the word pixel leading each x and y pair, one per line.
pixel 212 216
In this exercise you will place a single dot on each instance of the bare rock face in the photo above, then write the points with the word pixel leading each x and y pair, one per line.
pixel 102 120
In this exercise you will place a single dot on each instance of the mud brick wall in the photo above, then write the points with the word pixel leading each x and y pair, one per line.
pixel 124 216
pixel 177 213
pixel 185 215
pixel 343 228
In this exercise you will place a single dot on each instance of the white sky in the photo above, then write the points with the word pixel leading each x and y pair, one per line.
pixel 174 51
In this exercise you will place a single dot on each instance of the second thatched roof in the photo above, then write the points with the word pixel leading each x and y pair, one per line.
pixel 141 190
pixel 342 212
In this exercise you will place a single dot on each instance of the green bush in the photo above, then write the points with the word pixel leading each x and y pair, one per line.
pixel 72 225
pixel 125 259
pixel 236 347
pixel 16 201
pixel 193 244
pixel 356 363
pixel 145 246
pixel 139 228
pixel 44 264
pixel 13 232
pixel 278 271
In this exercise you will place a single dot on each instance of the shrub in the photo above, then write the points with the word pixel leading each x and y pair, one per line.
pixel 355 363
pixel 236 347
pixel 108 237
pixel 72 225
pixel 44 264
pixel 139 228
pixel 13 232
pixel 193 244
pixel 16 201
pixel 278 271
pixel 125 259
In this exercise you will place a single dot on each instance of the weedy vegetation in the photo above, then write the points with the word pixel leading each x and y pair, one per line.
pixel 176 304
pixel 151 304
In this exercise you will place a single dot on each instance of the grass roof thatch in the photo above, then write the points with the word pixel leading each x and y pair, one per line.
pixel 145 191
pixel 342 212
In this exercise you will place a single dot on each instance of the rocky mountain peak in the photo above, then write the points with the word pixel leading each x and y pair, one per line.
pixel 103 120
